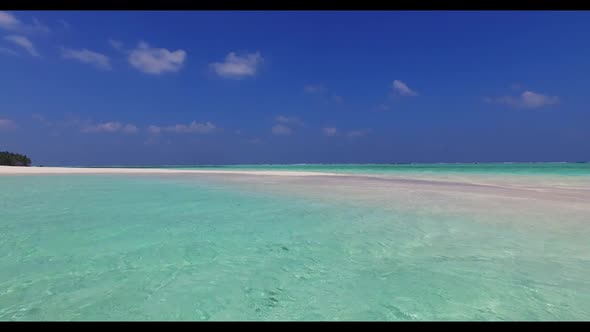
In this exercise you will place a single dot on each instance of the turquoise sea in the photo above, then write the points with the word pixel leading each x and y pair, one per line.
pixel 195 247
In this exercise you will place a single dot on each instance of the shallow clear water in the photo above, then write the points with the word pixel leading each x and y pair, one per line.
pixel 120 247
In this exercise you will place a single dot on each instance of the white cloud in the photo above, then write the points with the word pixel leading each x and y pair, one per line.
pixel 23 42
pixel 534 100
pixel 289 119
pixel 310 88
pixel 73 122
pixel 156 60
pixel 116 44
pixel 130 129
pixel 338 99
pixel 403 89
pixel 237 67
pixel 5 50
pixel 330 131
pixel 359 132
pixel 70 121
pixel 9 22
pixel 527 99
pixel 98 60
pixel 7 125
pixel 155 130
pixel 193 127
pixel 280 129
pixel 109 127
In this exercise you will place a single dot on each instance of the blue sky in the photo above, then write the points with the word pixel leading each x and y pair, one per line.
pixel 96 88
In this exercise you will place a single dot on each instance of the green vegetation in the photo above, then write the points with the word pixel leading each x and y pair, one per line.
pixel 14 159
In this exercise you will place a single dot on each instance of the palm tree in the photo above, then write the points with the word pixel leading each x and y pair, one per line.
pixel 14 159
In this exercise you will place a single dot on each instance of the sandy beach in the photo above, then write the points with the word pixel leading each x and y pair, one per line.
pixel 10 170
pixel 370 186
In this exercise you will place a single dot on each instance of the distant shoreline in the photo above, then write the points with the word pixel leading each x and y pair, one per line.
pixel 324 164
pixel 317 169
pixel 18 170
pixel 521 187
